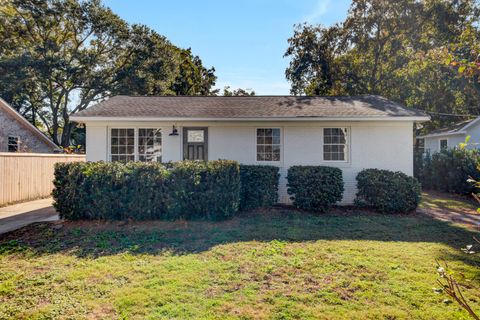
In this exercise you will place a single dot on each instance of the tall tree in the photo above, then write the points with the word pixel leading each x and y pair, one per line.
pixel 386 47
pixel 60 56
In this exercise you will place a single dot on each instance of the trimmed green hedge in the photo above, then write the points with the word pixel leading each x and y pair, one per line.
pixel 144 191
pixel 449 170
pixel 387 191
pixel 315 188
pixel 258 186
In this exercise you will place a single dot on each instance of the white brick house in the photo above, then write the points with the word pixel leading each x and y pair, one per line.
pixel 352 133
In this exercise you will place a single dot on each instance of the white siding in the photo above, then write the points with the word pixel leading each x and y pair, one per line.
pixel 385 145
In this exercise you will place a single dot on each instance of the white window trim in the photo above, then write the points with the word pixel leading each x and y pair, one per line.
pixel 347 145
pixel 440 143
pixel 255 146
pixel 18 142
pixel 135 139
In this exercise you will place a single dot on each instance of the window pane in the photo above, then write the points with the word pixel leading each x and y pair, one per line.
pixel 122 144
pixel 149 144
pixel 268 144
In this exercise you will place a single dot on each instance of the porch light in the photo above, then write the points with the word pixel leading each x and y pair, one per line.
pixel 174 131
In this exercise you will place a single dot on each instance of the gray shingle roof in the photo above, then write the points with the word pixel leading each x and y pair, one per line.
pixel 454 128
pixel 211 107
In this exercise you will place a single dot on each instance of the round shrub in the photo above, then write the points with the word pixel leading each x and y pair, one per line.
pixel 315 188
pixel 387 191
pixel 258 186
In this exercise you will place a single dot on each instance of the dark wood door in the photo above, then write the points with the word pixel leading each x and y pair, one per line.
pixel 195 143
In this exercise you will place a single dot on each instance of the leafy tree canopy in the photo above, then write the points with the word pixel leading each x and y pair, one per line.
pixel 227 92
pixel 57 57
pixel 402 50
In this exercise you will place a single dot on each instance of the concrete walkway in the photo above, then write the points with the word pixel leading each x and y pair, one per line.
pixel 470 220
pixel 22 214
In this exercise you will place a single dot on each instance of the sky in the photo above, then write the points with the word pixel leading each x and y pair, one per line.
pixel 244 40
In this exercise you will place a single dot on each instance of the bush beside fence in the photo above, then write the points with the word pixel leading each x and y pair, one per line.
pixel 142 191
pixel 315 188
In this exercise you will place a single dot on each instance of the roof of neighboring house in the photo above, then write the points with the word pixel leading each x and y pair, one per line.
pixel 26 124
pixel 454 129
pixel 246 107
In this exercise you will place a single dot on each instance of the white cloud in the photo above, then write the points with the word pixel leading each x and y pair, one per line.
pixel 318 11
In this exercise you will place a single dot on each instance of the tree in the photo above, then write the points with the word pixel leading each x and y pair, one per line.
pixel 61 56
pixel 237 92
pixel 193 78
pixel 387 48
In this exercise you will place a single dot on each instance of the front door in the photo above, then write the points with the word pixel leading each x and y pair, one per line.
pixel 195 144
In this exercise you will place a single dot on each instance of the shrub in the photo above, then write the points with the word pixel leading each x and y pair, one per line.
pixel 258 186
pixel 315 188
pixel 450 170
pixel 142 191
pixel 387 191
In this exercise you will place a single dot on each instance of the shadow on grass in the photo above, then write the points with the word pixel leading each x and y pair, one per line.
pixel 95 238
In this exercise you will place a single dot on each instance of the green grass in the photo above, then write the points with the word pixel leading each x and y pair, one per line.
pixel 279 264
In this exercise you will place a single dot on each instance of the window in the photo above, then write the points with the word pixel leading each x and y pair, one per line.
pixel 13 144
pixel 443 144
pixel 131 144
pixel 268 144
pixel 335 144
pixel 195 136
pixel 149 145
pixel 122 146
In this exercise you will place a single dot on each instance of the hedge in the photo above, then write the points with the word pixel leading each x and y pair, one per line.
pixel 449 170
pixel 258 186
pixel 387 191
pixel 144 191
pixel 314 188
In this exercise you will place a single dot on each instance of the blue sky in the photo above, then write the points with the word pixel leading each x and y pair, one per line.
pixel 244 40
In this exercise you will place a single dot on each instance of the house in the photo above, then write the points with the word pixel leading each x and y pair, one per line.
pixel 351 133
pixel 19 135
pixel 451 137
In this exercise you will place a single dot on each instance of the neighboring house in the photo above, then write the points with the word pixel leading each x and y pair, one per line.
pixel 19 135
pixel 451 137
pixel 352 133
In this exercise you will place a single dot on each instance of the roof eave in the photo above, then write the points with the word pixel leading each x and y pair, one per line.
pixel 83 119
pixel 442 134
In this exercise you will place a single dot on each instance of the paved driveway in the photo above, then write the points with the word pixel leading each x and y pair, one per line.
pixel 19 215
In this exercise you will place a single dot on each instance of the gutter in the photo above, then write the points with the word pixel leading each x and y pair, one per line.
pixel 442 134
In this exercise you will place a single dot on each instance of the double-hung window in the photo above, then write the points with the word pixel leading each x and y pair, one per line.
pixel 135 144
pixel 335 146
pixel 268 144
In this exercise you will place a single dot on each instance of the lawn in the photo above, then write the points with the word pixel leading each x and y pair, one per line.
pixel 277 264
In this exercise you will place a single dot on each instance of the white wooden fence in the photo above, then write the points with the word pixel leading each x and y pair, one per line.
pixel 28 176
